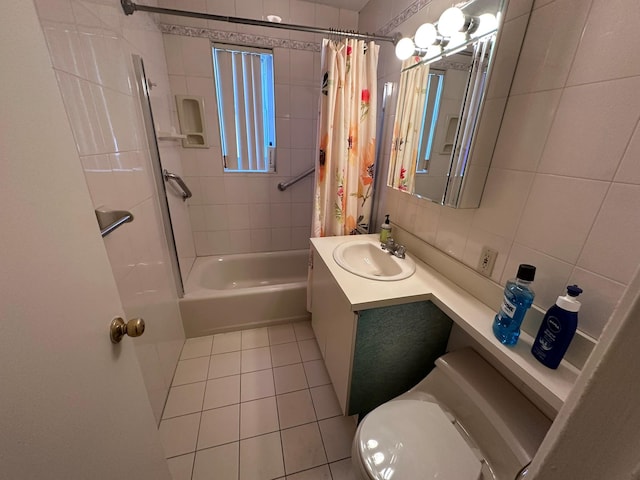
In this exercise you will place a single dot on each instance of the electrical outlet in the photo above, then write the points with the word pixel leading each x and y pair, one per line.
pixel 487 261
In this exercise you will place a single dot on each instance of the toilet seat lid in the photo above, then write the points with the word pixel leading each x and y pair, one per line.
pixel 414 439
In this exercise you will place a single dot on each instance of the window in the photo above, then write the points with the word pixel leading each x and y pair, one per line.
pixel 435 85
pixel 246 107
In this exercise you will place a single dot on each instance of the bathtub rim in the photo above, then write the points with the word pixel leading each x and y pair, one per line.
pixel 198 265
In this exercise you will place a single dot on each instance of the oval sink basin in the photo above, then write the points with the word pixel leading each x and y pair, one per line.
pixel 366 259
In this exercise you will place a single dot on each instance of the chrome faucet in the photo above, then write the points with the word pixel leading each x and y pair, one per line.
pixel 394 248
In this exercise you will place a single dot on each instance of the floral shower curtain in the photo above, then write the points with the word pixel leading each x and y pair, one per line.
pixel 407 125
pixel 347 138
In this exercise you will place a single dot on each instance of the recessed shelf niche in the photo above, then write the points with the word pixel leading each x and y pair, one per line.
pixel 192 121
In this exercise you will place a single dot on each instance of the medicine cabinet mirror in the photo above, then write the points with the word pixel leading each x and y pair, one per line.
pixel 451 99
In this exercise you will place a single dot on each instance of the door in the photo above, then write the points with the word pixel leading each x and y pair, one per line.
pixel 72 405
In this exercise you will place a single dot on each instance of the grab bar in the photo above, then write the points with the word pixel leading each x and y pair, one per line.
pixel 109 221
pixel 282 186
pixel 186 193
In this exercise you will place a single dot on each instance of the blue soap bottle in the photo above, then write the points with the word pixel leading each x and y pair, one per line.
pixel 518 297
pixel 558 328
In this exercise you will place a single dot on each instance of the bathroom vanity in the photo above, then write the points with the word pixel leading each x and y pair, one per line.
pixel 380 335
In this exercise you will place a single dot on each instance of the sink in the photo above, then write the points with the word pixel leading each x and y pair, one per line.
pixel 366 259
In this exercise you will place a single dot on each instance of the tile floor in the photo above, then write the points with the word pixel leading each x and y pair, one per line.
pixel 255 405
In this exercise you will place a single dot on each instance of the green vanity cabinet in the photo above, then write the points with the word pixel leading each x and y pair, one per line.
pixel 376 354
pixel 395 348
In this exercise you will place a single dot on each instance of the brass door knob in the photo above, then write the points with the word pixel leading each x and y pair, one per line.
pixel 118 328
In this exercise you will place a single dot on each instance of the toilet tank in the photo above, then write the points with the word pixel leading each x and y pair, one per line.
pixel 499 419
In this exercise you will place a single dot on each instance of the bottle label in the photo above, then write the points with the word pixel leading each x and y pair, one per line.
pixel 554 324
pixel 508 308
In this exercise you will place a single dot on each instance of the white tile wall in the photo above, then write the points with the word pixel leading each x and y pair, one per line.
pixel 90 44
pixel 563 189
pixel 258 217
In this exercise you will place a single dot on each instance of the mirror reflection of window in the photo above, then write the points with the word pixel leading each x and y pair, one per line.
pixel 435 86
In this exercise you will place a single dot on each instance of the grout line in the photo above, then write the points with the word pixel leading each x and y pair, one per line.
pixel 239 403
pixel 239 408
pixel 275 396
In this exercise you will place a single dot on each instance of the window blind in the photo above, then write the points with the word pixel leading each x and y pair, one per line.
pixel 244 88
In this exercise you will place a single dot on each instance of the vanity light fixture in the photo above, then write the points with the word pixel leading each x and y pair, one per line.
pixel 405 48
pixel 451 21
pixel 426 35
pixel 451 34
pixel 487 22
pixel 457 43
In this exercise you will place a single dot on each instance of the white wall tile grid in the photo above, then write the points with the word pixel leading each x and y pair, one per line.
pixel 241 213
pixel 255 404
pixel 562 187
pixel 90 44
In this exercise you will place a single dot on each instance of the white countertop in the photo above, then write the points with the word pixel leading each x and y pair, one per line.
pixel 474 317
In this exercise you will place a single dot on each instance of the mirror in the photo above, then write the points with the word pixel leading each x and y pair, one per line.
pixel 451 100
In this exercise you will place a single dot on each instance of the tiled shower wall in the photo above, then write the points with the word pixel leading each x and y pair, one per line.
pixel 243 212
pixel 563 190
pixel 90 44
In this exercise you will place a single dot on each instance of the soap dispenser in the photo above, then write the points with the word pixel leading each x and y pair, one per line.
pixel 558 328
pixel 385 230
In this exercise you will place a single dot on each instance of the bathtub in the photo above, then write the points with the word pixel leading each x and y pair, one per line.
pixel 231 292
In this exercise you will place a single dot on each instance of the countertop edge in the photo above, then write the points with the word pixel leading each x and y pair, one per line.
pixel 474 317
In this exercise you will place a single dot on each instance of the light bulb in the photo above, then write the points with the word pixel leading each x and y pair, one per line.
pixel 455 42
pixel 434 52
pixel 405 48
pixel 488 24
pixel 425 35
pixel 451 21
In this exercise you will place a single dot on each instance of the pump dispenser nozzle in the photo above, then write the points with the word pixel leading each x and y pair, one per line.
pixel 573 290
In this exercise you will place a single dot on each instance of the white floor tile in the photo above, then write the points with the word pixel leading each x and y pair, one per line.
pixel 191 371
pixel 261 457
pixel 309 350
pixel 181 467
pixel 256 385
pixel 255 338
pixel 184 399
pixel 337 435
pixel 224 364
pixel 295 409
pixel 179 435
pixel 221 392
pixel 302 448
pixel 258 417
pixel 325 402
pixel 281 334
pixel 256 359
pixel 318 473
pixel 218 462
pixel 303 331
pixel 316 373
pixel 285 354
pixel 343 470
pixel 289 378
pixel 226 342
pixel 219 426
pixel 196 347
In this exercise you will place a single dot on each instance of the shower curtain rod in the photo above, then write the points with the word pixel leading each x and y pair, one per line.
pixel 129 8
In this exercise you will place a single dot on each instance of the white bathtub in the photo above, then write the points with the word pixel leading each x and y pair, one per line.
pixel 231 292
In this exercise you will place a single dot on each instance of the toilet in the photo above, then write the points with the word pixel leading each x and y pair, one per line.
pixel 463 421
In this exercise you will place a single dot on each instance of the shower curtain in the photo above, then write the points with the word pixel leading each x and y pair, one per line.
pixel 407 125
pixel 346 138
pixel 346 149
